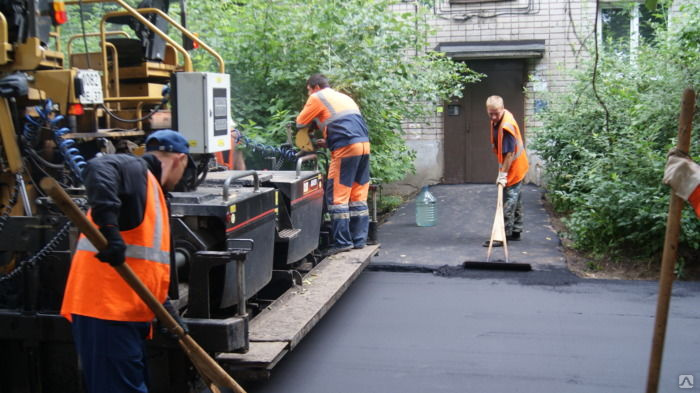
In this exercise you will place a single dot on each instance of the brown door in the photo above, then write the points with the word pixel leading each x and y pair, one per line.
pixel 468 155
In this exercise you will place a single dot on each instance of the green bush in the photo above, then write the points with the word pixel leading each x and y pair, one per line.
pixel 389 203
pixel 606 178
pixel 367 50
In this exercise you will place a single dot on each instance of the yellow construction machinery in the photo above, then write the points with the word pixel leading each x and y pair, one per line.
pixel 241 238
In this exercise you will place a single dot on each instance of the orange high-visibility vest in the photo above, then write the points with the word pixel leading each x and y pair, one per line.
pixel 227 158
pixel 337 116
pixel 95 289
pixel 518 169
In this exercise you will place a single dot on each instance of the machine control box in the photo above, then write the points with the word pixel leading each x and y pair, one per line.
pixel 201 110
pixel 90 91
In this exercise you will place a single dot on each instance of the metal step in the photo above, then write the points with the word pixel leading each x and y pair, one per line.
pixel 289 234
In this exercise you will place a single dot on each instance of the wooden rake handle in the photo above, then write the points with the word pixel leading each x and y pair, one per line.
pixel 670 253
pixel 209 369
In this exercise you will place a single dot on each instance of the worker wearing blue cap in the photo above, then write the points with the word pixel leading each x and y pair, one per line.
pixel 127 198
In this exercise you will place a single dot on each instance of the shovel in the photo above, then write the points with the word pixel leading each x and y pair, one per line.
pixel 211 372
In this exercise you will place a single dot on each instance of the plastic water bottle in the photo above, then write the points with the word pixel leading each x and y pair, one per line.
pixel 426 208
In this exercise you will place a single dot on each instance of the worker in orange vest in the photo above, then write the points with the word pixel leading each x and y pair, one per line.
pixel 231 159
pixel 507 144
pixel 110 323
pixel 683 175
pixel 345 134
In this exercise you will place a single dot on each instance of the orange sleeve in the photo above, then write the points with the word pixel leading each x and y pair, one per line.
pixel 694 200
pixel 312 110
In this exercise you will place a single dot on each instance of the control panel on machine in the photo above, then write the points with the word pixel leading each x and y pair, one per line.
pixel 90 90
pixel 202 110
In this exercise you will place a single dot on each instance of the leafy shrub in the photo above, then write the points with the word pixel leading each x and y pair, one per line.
pixel 365 48
pixel 606 178
pixel 389 203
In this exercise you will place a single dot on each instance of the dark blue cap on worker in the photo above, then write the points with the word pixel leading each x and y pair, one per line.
pixel 169 141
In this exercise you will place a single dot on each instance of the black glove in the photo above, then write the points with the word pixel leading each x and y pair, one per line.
pixel 168 305
pixel 114 254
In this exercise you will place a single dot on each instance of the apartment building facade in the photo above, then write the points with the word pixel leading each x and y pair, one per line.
pixel 526 48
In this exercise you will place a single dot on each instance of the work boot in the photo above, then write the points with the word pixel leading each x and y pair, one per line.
pixel 515 236
pixel 335 250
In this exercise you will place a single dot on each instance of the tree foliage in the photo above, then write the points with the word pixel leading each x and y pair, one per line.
pixel 377 55
pixel 367 50
pixel 608 183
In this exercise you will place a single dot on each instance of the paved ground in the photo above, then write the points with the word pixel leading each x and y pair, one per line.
pixel 508 332
pixel 465 218
pixel 447 329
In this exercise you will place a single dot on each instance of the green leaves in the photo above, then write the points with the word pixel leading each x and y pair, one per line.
pixel 374 54
pixel 377 51
pixel 608 182
pixel 650 4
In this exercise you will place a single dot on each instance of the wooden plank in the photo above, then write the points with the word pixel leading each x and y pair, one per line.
pixel 292 316
pixel 259 355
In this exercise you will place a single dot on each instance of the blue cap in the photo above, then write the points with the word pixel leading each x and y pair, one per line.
pixel 169 141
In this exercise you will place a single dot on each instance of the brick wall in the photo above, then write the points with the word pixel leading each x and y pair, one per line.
pixel 562 24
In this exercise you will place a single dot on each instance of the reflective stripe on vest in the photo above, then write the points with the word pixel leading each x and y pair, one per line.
pixel 153 253
pixel 96 290
pixel 335 115
pixel 132 251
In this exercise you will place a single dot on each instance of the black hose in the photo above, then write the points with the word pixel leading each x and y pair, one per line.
pixel 45 173
pixel 41 159
pixel 148 116
pixel 203 170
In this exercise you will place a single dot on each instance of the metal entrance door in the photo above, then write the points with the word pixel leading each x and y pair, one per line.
pixel 468 155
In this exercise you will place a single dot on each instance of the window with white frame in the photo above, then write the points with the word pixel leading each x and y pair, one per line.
pixel 625 24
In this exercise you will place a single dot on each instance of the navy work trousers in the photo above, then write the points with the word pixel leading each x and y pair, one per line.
pixel 112 354
pixel 346 194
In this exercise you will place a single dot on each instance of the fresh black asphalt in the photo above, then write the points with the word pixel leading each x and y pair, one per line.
pixel 465 219
pixel 441 328
pixel 415 333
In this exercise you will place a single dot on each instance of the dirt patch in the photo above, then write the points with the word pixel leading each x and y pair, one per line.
pixel 587 266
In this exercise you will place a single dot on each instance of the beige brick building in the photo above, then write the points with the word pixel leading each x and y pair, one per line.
pixel 528 48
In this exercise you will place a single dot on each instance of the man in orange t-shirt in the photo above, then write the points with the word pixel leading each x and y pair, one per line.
pixel 345 134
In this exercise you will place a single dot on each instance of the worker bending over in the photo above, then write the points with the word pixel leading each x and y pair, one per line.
pixel 345 134
pixel 683 175
pixel 110 322
pixel 507 144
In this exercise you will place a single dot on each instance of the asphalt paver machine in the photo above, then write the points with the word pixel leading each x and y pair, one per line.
pixel 58 109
